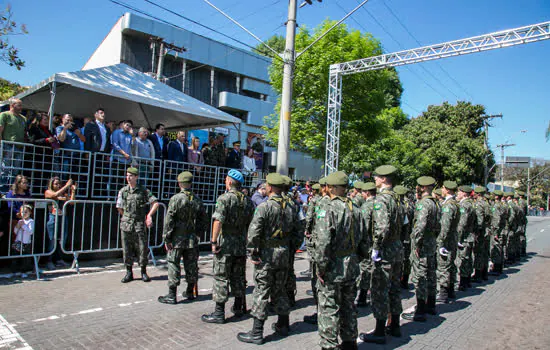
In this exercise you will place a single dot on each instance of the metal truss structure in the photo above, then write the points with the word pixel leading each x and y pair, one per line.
pixel 497 40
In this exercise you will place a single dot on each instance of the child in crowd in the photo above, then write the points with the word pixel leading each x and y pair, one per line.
pixel 22 244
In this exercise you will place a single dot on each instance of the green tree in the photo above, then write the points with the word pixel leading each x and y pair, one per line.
pixel 367 97
pixel 276 42
pixel 9 89
pixel 9 54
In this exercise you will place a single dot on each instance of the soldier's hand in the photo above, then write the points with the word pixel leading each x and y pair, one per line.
pixel 443 251
pixel 375 255
pixel 417 253
pixel 216 249
pixel 307 234
pixel 149 221
pixel 168 246
pixel 320 278
pixel 255 260
pixel 460 246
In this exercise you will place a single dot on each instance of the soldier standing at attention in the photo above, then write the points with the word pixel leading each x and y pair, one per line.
pixel 365 264
pixel 231 218
pixel 483 217
pixel 497 226
pixel 268 243
pixel 423 251
pixel 184 219
pixel 523 228
pixel 387 257
pixel 406 240
pixel 466 236
pixel 356 195
pixel 340 244
pixel 132 203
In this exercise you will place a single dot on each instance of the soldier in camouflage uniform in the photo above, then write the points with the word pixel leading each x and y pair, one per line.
pixel 185 218
pixel 269 239
pixel 339 246
pixel 498 223
pixel 466 236
pixel 424 250
pixel 231 218
pixel 356 194
pixel 406 240
pixel 510 228
pixel 481 250
pixel 523 224
pixel 365 265
pixel 217 152
pixel 387 257
pixel 132 203
pixel 517 227
pixel 447 243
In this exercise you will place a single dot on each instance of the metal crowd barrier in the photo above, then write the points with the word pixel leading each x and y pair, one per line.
pixel 204 180
pixel 39 244
pixel 94 227
pixel 249 180
pixel 40 164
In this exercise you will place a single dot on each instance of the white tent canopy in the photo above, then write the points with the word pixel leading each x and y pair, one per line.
pixel 124 93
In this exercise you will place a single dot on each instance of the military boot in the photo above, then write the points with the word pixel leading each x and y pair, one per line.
pixel 348 345
pixel 189 293
pixel 256 335
pixel 144 276
pixel 462 286
pixel 237 308
pixel 362 298
pixel 394 328
pixel 311 319
pixel 218 316
pixel 477 276
pixel 451 291
pixel 469 282
pixel 170 298
pixel 292 298
pixel 379 334
pixel 282 325
pixel 495 271
pixel 404 281
pixel 430 305
pixel 419 314
pixel 443 295
pixel 129 275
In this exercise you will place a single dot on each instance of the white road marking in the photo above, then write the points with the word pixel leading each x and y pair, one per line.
pixel 88 311
pixel 542 230
pixel 10 338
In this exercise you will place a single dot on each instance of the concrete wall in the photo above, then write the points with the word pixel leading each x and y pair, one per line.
pixel 109 51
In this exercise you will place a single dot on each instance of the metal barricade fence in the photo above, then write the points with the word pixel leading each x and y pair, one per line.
pixel 204 180
pixel 249 180
pixel 43 238
pixel 40 164
pixel 94 227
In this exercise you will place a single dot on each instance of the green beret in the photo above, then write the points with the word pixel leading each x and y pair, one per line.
pixel 358 185
pixel 275 179
pixel 287 180
pixel 316 187
pixel 338 178
pixel 465 188
pixel 185 177
pixel 385 170
pixel 498 193
pixel 480 189
pixel 450 185
pixel 400 190
pixel 438 192
pixel 323 181
pixel 132 171
pixel 369 186
pixel 425 181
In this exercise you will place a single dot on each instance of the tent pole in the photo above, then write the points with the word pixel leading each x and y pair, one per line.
pixel 52 103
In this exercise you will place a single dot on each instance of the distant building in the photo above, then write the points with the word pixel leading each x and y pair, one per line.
pixel 229 78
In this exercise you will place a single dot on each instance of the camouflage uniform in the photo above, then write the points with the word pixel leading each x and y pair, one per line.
pixel 234 212
pixel 296 241
pixel 448 239
pixel 481 250
pixel 185 218
pixel 339 241
pixel 466 237
pixel 509 230
pixel 498 223
pixel 516 231
pixel 310 241
pixel 523 226
pixel 135 204
pixel 217 154
pixel 406 239
pixel 365 264
pixel 358 200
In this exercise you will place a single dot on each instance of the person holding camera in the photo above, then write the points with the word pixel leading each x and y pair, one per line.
pixel 69 137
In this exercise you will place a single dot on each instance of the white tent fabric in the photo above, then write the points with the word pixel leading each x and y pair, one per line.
pixel 124 93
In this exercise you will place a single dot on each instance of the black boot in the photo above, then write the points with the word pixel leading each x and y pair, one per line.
pixel 218 316
pixel 495 271
pixel 189 293
pixel 170 298
pixel 237 307
pixel 404 281
pixel 311 319
pixel 485 274
pixel 451 291
pixel 477 276
pixel 443 296
pixel 419 315
pixel 292 298
pixel 462 286
pixel 348 345
pixel 282 325
pixel 144 276
pixel 256 335
pixel 430 305
pixel 394 328
pixel 378 336
pixel 129 275
pixel 469 282
pixel 362 298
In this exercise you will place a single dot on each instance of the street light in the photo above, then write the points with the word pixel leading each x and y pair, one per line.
pixel 308 2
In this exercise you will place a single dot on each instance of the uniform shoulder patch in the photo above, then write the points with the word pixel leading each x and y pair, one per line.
pixel 377 206
pixel 321 213
pixel 493 209
pixel 462 210
pixel 419 207
pixel 445 210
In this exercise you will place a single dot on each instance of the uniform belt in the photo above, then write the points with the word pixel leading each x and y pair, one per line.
pixel 276 244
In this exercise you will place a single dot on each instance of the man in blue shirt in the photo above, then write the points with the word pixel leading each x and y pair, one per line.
pixel 69 137
pixel 121 143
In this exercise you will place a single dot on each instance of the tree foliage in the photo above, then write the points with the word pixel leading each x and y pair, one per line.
pixel 9 54
pixel 9 89
pixel 539 174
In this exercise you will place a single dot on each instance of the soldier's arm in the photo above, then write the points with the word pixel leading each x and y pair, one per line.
pixel 462 222
pixel 218 217
pixel 256 228
pixel 381 225
pixel 310 216
pixel 324 233
pixel 169 222
pixel 445 227
pixel 119 203
pixel 154 203
pixel 420 223
pixel 363 245
pixel 202 220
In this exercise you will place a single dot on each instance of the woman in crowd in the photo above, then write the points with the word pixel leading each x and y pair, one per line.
pixel 40 135
pixel 60 194
pixel 249 163
pixel 19 189
pixel 194 154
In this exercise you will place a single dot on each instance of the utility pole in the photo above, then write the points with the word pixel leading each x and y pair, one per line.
pixel 502 162
pixel 486 126
pixel 164 48
pixel 286 98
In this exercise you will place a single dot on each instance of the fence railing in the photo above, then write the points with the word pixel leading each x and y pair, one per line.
pixel 205 179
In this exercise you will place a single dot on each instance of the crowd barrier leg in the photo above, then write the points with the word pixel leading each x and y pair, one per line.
pixel 36 268
pixel 76 265
pixel 153 257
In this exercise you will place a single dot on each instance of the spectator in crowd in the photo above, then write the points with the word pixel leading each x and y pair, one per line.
pixel 194 155
pixel 70 138
pixel 160 142
pixel 249 163
pixel 19 189
pixel 177 150
pixel 59 194
pixel 206 151
pixel 85 121
pixel 39 133
pixel 143 148
pixel 111 125
pixel 260 195
pixel 219 153
pixel 121 144
pixel 97 135
pixel 234 157
pixel 22 243
pixel 12 129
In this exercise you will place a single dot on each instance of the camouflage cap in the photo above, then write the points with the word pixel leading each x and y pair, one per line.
pixel 488 195
pixel 275 179
pixel 465 188
pixel 450 185
pixel 498 193
pixel 358 185
pixel 438 192
pixel 520 193
pixel 425 181
pixel 338 178
pixel 400 190
pixel 316 187
pixel 185 177
pixel 480 189
pixel 132 171
pixel 369 186
pixel 287 180
pixel 385 170
pixel 323 181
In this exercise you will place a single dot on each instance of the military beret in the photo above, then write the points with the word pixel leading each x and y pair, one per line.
pixel 498 193
pixel 132 171
pixel 275 179
pixel 400 190
pixel 480 189
pixel 425 181
pixel 385 170
pixel 369 186
pixel 465 188
pixel 451 185
pixel 438 192
pixel 323 181
pixel 338 178
pixel 316 187
pixel 287 180
pixel 185 177
pixel 358 185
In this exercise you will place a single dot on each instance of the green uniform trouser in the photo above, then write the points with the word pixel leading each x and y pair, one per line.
pixel 424 275
pixel 479 253
pixel 523 241
pixel 496 250
pixel 270 281
pixel 446 270
pixel 134 242
pixel 228 271
pixel 505 241
pixel 337 314
pixel 465 264
pixel 363 281
pixel 291 276
pixel 386 288
pixel 190 258
pixel 313 267
pixel 407 260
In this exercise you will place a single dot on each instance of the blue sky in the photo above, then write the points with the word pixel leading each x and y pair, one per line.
pixel 512 81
